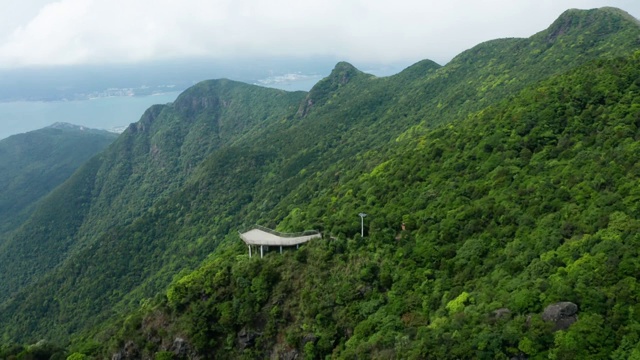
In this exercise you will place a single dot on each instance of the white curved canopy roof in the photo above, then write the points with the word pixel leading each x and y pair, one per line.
pixel 263 236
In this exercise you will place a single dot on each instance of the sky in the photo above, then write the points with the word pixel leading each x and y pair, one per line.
pixel 71 32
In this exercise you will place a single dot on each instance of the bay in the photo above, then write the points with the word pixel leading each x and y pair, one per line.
pixel 106 113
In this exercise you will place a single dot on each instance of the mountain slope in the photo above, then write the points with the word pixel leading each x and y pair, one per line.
pixel 151 159
pixel 141 227
pixel 34 163
pixel 524 204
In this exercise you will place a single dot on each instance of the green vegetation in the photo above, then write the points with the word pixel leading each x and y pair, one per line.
pixel 41 350
pixel 513 169
pixel 34 163
pixel 524 204
pixel 150 160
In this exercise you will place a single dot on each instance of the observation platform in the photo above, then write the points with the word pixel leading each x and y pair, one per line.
pixel 261 236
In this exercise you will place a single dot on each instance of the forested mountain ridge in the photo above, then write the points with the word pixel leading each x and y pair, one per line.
pixel 527 203
pixel 34 163
pixel 300 168
pixel 494 69
pixel 152 158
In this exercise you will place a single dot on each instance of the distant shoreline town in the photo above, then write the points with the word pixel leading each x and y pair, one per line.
pixel 117 92
pixel 100 94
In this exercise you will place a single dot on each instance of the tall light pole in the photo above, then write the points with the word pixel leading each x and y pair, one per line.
pixel 362 215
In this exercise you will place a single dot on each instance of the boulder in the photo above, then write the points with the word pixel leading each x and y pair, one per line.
pixel 501 313
pixel 562 314
pixel 291 355
pixel 246 338
pixel 180 347
pixel 129 351
pixel 309 338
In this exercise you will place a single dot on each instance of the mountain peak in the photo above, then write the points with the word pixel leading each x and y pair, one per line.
pixel 342 74
pixel 600 22
pixel 419 69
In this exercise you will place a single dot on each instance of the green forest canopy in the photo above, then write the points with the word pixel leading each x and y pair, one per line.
pixel 513 169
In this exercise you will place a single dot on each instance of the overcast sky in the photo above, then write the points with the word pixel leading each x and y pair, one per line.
pixel 45 32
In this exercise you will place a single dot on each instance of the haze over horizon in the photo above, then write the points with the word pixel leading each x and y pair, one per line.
pixel 74 32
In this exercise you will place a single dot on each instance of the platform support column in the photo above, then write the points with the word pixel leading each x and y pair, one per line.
pixel 261 253
pixel 297 246
pixel 249 251
pixel 280 249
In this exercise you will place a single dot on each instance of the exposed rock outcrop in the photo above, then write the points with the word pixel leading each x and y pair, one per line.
pixel 562 314
pixel 129 351
pixel 292 354
pixel 501 313
pixel 246 338
pixel 181 348
pixel 309 338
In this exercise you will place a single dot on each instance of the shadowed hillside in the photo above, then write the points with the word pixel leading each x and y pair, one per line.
pixel 34 163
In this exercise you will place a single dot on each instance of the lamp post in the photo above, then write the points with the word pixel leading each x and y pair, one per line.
pixel 362 215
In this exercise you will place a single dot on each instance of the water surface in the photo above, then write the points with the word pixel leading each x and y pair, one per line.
pixel 101 113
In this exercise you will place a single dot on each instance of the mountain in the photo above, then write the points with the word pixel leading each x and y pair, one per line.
pixel 151 159
pixel 528 203
pixel 424 147
pixel 34 163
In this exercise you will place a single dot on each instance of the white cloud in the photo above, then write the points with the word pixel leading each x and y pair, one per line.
pixel 98 31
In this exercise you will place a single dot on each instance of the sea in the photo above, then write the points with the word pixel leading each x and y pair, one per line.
pixel 115 113
pixel 110 113
pixel 107 113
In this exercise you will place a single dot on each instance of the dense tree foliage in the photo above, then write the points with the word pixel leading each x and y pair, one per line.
pixel 34 163
pixel 524 204
pixel 512 169
pixel 151 159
